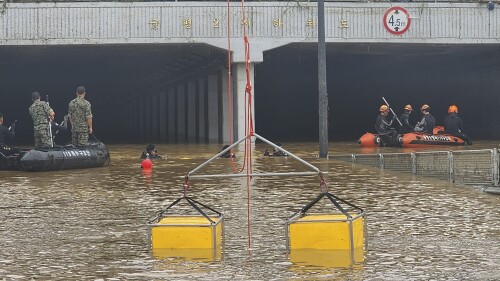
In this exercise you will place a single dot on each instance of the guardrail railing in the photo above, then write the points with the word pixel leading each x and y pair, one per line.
pixel 466 166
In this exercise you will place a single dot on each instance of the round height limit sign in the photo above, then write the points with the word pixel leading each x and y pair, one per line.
pixel 397 20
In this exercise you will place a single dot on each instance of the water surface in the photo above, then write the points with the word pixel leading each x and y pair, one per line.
pixel 92 224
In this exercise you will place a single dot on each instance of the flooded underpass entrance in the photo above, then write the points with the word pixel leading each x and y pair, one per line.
pixel 178 93
pixel 122 81
pixel 152 77
pixel 359 75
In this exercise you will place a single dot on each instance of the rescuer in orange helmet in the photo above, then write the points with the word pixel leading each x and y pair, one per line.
pixel 383 127
pixel 453 125
pixel 405 120
pixel 426 125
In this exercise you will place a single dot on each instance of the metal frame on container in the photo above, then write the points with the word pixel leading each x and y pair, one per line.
pixel 295 218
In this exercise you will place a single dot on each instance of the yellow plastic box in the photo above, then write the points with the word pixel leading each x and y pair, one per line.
pixel 187 232
pixel 327 231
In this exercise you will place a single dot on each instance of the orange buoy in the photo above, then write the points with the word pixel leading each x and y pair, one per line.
pixel 147 164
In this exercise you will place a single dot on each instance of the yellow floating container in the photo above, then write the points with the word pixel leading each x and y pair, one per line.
pixel 187 232
pixel 327 231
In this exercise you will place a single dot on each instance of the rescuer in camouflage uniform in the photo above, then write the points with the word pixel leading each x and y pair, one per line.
pixel 80 116
pixel 41 113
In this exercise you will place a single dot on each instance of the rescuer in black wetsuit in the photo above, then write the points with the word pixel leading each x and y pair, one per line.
pixel 277 152
pixel 404 118
pixel 383 127
pixel 226 154
pixel 7 133
pixel 150 152
pixel 57 128
pixel 453 125
pixel 426 125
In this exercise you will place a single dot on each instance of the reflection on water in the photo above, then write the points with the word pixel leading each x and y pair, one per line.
pixel 326 258
pixel 92 224
pixel 201 255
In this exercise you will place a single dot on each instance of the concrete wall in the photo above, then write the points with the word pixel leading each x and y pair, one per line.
pixel 276 23
pixel 195 111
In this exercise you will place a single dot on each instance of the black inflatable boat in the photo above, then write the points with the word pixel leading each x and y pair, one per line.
pixel 95 154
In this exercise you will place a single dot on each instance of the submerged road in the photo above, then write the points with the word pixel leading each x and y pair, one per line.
pixel 92 224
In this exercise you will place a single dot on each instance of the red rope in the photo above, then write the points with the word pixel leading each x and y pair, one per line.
pixel 186 185
pixel 323 186
pixel 248 118
pixel 249 131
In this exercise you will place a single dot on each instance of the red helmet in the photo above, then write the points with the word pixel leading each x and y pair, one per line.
pixel 453 108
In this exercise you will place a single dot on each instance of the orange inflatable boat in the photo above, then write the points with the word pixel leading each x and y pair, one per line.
pixel 376 140
pixel 412 139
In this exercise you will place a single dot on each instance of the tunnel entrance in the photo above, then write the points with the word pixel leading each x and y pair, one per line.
pixel 285 88
pixel 358 75
pixel 112 75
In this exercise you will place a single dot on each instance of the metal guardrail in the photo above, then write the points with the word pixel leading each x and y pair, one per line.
pixel 466 166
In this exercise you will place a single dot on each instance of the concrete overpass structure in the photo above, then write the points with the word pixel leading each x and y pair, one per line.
pixel 157 71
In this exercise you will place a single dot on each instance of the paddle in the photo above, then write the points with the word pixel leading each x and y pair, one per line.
pixel 92 134
pixel 392 111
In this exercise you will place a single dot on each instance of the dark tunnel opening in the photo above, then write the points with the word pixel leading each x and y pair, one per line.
pixel 359 75
pixel 112 74
pixel 286 85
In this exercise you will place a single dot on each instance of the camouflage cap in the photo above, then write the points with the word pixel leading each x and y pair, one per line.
pixel 80 90
pixel 35 96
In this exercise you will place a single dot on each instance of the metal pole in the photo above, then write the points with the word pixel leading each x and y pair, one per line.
pixel 390 108
pixel 253 175
pixel 323 94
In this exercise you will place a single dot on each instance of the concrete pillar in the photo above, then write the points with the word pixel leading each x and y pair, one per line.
pixel 172 113
pixel 213 109
pixel 225 107
pixel 162 122
pixel 202 110
pixel 191 111
pixel 181 113
pixel 240 83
